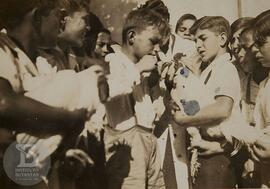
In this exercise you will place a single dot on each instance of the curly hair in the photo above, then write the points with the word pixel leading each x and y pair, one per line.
pixel 182 18
pixel 262 27
pixel 12 12
pixel 142 18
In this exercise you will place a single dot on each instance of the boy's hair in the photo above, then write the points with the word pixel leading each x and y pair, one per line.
pixel 184 17
pixel 240 23
pixel 140 19
pixel 248 29
pixel 68 7
pixel 95 27
pixel 12 12
pixel 216 24
pixel 157 6
pixel 262 27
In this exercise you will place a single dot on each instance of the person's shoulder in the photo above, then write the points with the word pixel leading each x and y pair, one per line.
pixel 227 65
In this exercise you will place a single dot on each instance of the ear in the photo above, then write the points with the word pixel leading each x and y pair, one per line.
pixel 223 39
pixel 131 35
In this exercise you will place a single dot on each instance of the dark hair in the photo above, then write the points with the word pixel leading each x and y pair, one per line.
pixel 248 28
pixel 184 17
pixel 240 23
pixel 140 19
pixel 68 7
pixel 95 27
pixel 217 24
pixel 262 27
pixel 157 6
pixel 12 12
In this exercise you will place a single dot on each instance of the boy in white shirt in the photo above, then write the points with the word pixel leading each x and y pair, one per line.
pixel 261 148
pixel 220 79
pixel 132 156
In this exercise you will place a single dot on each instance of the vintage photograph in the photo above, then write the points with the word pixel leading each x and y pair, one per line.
pixel 134 94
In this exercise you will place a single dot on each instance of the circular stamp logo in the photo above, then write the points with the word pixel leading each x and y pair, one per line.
pixel 23 164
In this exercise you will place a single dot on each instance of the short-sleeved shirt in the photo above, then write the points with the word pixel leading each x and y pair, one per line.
pixel 221 79
pixel 262 118
pixel 262 108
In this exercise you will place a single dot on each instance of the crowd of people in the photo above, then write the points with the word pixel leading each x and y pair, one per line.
pixel 178 109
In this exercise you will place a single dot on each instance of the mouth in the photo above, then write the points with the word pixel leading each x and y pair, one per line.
pixel 259 59
pixel 202 53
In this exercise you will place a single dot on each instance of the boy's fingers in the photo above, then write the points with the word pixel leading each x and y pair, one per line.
pixel 255 153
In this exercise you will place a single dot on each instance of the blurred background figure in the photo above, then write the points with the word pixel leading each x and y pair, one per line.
pixel 184 24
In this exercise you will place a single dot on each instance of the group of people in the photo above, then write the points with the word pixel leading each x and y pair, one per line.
pixel 185 109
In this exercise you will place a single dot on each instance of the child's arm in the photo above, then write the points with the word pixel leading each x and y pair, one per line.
pixel 147 63
pixel 212 114
pixel 206 148
pixel 18 112
pixel 261 148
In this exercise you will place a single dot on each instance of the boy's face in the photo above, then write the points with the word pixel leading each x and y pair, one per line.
pixel 50 26
pixel 265 51
pixel 235 44
pixel 183 29
pixel 75 28
pixel 146 42
pixel 246 43
pixel 246 57
pixel 102 44
pixel 207 44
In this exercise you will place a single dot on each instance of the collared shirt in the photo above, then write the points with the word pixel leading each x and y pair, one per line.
pixel 262 118
pixel 55 56
pixel 221 79
pixel 262 108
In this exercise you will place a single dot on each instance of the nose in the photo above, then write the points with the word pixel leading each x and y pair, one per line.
pixel 156 48
pixel 105 49
pixel 198 44
pixel 235 46
pixel 242 52
pixel 254 50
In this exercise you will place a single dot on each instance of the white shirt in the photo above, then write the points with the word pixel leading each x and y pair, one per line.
pixel 262 108
pixel 221 79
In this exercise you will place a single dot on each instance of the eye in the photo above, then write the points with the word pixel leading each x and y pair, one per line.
pixel 203 38
pixel 155 41
pixel 181 29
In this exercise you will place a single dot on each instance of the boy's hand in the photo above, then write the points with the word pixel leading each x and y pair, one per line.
pixel 261 148
pixel 178 116
pixel 147 63
pixel 80 156
pixel 206 148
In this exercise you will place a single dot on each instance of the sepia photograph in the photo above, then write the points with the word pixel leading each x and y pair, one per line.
pixel 135 94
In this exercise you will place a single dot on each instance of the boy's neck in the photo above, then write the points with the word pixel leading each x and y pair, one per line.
pixel 127 50
pixel 221 52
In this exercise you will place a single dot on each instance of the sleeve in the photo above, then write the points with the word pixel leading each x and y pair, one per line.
pixel 154 173
pixel 227 83
pixel 8 69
